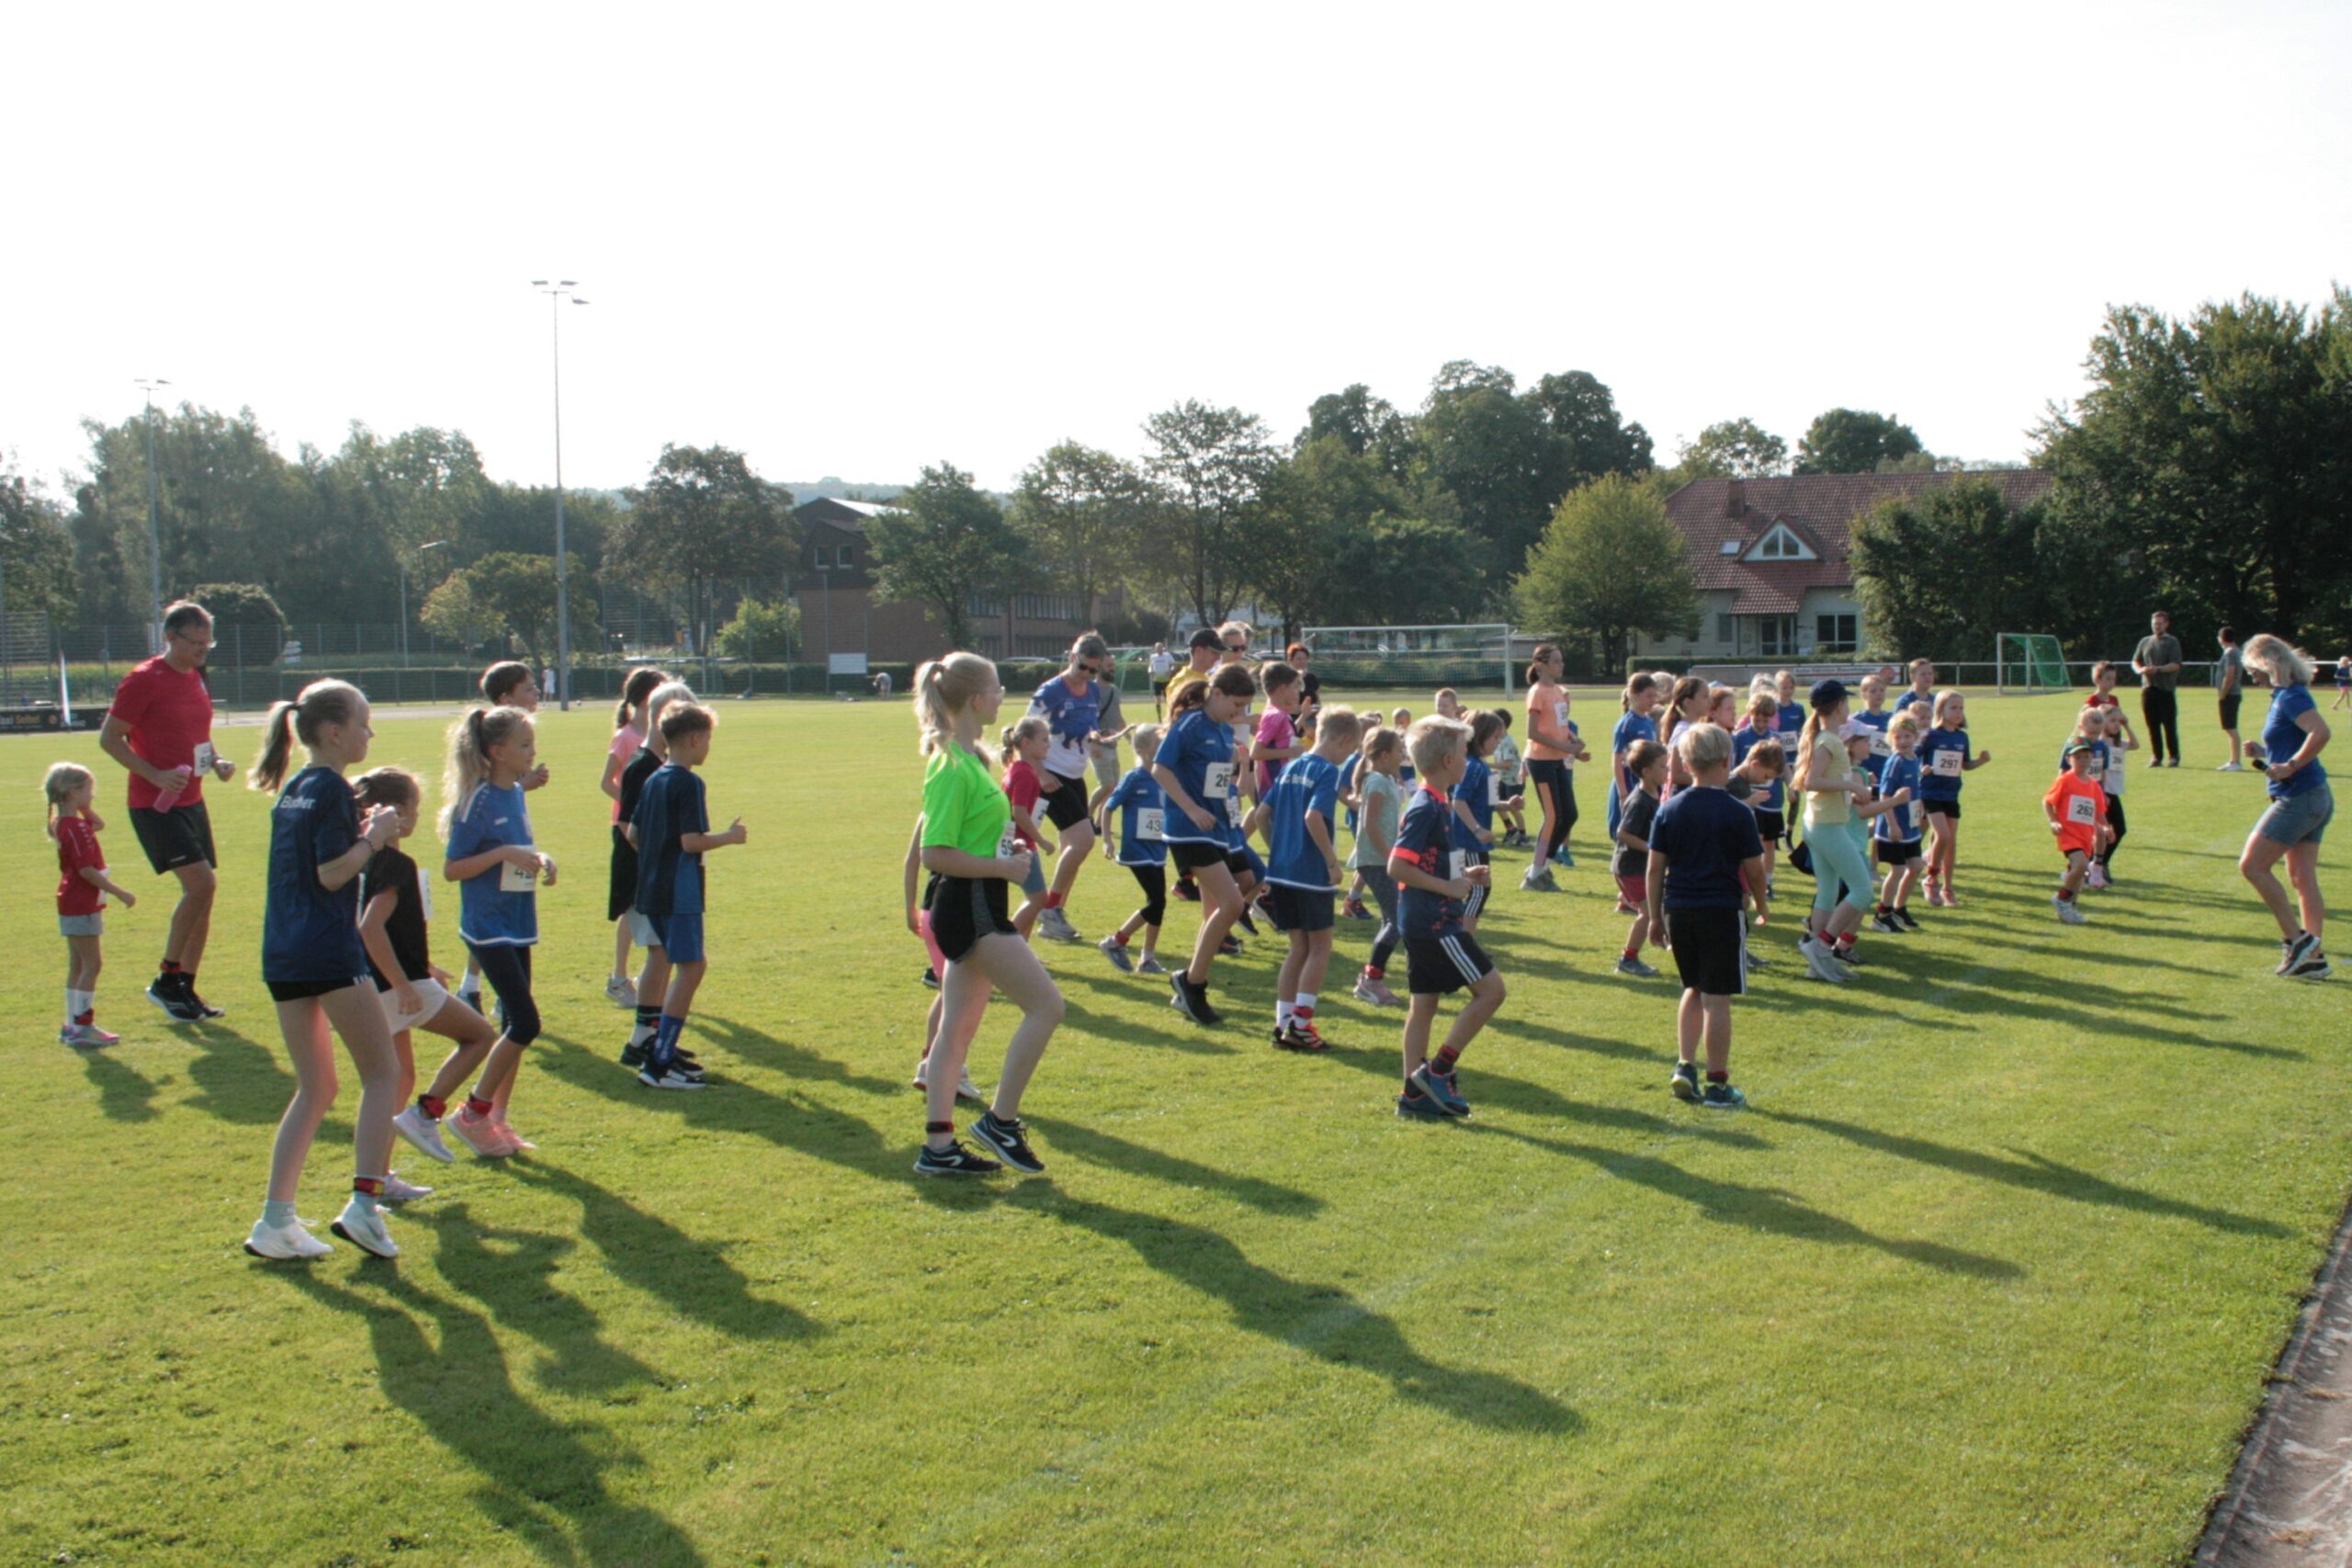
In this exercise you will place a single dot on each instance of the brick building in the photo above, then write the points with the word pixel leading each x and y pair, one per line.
pixel 839 612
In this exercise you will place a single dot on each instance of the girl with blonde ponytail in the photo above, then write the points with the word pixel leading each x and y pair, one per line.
pixel 968 849
pixel 316 968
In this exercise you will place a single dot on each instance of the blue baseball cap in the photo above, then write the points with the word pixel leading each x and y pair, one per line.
pixel 1828 693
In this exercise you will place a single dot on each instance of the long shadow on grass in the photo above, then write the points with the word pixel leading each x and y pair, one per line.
pixel 1518 1095
pixel 2032 1172
pixel 125 1094
pixel 1322 1320
pixel 756 1045
pixel 2087 1005
pixel 509 1271
pixel 538 1476
pixel 1138 1159
pixel 238 1080
pixel 1761 1208
pixel 1131 1030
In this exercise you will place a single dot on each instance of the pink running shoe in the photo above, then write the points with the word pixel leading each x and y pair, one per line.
pixel 515 1142
pixel 479 1133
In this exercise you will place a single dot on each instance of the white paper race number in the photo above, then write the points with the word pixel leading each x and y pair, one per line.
pixel 1949 763
pixel 1879 745
pixel 1150 823
pixel 1494 789
pixel 513 878
pixel 2082 811
pixel 1454 865
pixel 205 756
pixel 1560 717
pixel 1008 843
pixel 1217 783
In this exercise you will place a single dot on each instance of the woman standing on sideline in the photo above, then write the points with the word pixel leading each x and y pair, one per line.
pixel 1550 746
pixel 2301 803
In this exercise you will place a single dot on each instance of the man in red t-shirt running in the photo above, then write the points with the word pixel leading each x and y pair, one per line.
pixel 159 726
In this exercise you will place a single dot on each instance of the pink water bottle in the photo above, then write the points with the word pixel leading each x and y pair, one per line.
pixel 168 799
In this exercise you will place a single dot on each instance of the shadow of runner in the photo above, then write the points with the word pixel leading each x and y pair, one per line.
pixel 741 1040
pixel 241 1081
pixel 2031 1171
pixel 539 1480
pixel 1109 1149
pixel 1762 1208
pixel 1324 1321
pixel 125 1094
pixel 509 1272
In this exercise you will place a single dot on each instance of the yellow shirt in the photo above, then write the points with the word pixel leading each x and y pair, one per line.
pixel 1186 677
pixel 1829 766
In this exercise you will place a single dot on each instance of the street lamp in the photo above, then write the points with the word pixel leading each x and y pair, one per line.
pixel 154 536
pixel 436 544
pixel 825 580
pixel 557 292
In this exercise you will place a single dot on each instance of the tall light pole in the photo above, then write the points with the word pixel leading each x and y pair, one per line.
pixel 154 535
pixel 436 544
pixel 557 292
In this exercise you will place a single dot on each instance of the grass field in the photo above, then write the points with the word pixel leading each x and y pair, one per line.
pixel 1992 1272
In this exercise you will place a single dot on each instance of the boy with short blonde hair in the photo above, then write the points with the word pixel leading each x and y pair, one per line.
pixel 1706 863
pixel 1441 956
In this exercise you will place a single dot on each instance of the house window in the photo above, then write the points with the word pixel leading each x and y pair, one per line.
pixel 981 607
pixel 1834 634
pixel 1779 543
pixel 841 556
pixel 1778 635
pixel 1725 628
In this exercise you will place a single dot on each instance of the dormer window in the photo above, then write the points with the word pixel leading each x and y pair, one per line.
pixel 1779 543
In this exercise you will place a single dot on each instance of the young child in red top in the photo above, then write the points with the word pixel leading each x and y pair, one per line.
pixel 1026 742
pixel 2077 807
pixel 82 888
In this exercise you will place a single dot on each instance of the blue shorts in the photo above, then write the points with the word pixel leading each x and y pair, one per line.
pixel 2300 819
pixel 680 936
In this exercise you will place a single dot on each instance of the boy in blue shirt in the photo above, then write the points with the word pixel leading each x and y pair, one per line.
pixel 673 825
pixel 1302 873
pixel 1440 955
pixel 1706 863
pixel 1897 831
pixel 1142 807
pixel 1475 800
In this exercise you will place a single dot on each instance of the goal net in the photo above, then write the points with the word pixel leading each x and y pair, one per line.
pixel 1475 656
pixel 2029 662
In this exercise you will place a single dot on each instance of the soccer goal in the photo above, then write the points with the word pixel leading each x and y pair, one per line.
pixel 2028 663
pixel 1479 657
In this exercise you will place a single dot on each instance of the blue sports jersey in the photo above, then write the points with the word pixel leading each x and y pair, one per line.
pixel 2282 737
pixel 1789 720
pixel 1306 784
pixel 1631 726
pixel 1142 807
pixel 1900 824
pixel 1072 716
pixel 2102 759
pixel 1200 754
pixel 1876 720
pixel 489 912
pixel 1943 754
pixel 1476 791
pixel 669 875
pixel 307 933
pixel 1742 742
pixel 1426 838
pixel 1705 836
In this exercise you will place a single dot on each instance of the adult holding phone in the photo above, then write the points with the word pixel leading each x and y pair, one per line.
pixel 2293 735
pixel 159 727
pixel 2157 663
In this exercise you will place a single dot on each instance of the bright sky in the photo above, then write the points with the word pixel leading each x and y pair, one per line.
pixel 856 239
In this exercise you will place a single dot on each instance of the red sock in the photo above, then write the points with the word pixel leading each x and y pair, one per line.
pixel 477 1106
pixel 1121 937
pixel 1053 900
pixel 368 1186
pixel 170 966
pixel 432 1109
pixel 1632 952
pixel 1371 972
pixel 1446 1056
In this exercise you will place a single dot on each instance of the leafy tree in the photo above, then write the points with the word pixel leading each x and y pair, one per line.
pixel 1733 449
pixel 1853 440
pixel 1078 511
pixel 947 541
pixel 247 626
pixel 759 630
pixel 703 518
pixel 1209 465
pixel 1581 413
pixel 1368 426
pixel 1401 569
pixel 1941 574
pixel 1494 453
pixel 1608 566
pixel 1312 505
pixel 36 550
pixel 514 594
pixel 2214 453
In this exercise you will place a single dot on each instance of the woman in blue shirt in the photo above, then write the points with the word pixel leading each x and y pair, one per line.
pixel 2301 803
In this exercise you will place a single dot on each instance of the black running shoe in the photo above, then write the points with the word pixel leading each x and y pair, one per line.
pixel 167 993
pixel 954 1160
pixel 1908 923
pixel 1190 1001
pixel 1009 1142
pixel 1685 1082
pixel 1245 922
pixel 204 1010
pixel 931 979
pixel 633 1054
pixel 1415 1106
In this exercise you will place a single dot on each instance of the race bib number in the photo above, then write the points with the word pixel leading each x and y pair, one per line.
pixel 1008 843
pixel 2082 811
pixel 205 756
pixel 1494 789
pixel 1454 865
pixel 424 893
pixel 1879 745
pixel 1151 822
pixel 1217 781
pixel 1947 764
pixel 1560 716
pixel 513 878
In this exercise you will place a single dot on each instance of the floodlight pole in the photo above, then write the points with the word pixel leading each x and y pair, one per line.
pixel 557 292
pixel 154 534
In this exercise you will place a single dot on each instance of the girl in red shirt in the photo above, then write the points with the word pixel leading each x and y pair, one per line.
pixel 1026 742
pixel 82 887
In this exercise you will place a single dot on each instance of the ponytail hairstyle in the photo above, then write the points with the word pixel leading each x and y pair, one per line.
pixel 1634 686
pixel 1378 741
pixel 1814 724
pixel 1020 729
pixel 643 682
pixel 62 780
pixel 943 688
pixel 2281 661
pixel 395 787
pixel 502 678
pixel 1536 660
pixel 671 690
pixel 1688 687
pixel 318 704
pixel 471 739
pixel 1191 695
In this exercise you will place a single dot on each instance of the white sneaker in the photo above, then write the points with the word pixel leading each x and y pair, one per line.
pixel 362 1224
pixel 399 1191
pixel 2231 768
pixel 285 1244
pixel 966 1089
pixel 671 1079
pixel 1822 963
pixel 621 991
pixel 424 1134
pixel 2068 913
pixel 1053 923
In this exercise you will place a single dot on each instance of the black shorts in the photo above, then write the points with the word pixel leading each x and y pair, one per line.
pixel 1710 950
pixel 1190 857
pixel 1477 902
pixel 1064 803
pixel 1943 808
pixel 2229 710
pixel 1892 853
pixel 966 908
pixel 303 990
pixel 1436 965
pixel 1299 909
pixel 181 836
pixel 622 896
pixel 1771 826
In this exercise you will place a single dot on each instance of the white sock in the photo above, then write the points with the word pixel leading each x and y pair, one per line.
pixel 1282 1015
pixel 77 1003
pixel 1304 1006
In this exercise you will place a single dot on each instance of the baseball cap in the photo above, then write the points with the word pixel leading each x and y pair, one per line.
pixel 2075 745
pixel 1205 638
pixel 1827 693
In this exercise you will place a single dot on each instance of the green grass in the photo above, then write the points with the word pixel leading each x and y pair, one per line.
pixel 1992 1271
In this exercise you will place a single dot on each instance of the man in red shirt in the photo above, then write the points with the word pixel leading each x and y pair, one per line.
pixel 159 726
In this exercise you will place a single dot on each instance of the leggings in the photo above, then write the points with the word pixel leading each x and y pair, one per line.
pixel 2161 708
pixel 2114 820
pixel 507 969
pixel 1384 893
pixel 1836 859
pixel 1154 882
pixel 1563 783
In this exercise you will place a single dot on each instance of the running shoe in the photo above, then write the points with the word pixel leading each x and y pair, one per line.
pixel 1440 1089
pixel 1187 892
pixel 1565 859
pixel 2069 914
pixel 424 1134
pixel 636 1054
pixel 204 1010
pixel 1296 1036
pixel 515 1142
pixel 1636 968
pixel 1534 881
pixel 1230 948
pixel 1353 909
pixel 1886 923
pixel 362 1224
pixel 1721 1096
pixel 166 993
pixel 1822 963
pixel 1009 1142
pixel 672 1077
pixel 2098 877
pixel 1848 956
pixel 472 998
pixel 2312 966
pixel 86 1036
pixel 966 1089
pixel 1149 964
pixel 399 1191
pixel 1684 1084
pixel 621 991
pixel 1373 993
pixel 1055 925
pixel 1191 1001
pixel 931 979
pixel 1415 1106
pixel 1902 913
pixel 1114 950
pixel 288 1243
pixel 1245 922
pixel 2231 768
pixel 479 1133
pixel 2293 953
pixel 954 1160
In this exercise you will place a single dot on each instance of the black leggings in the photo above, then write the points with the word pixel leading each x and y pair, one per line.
pixel 507 969
pixel 2114 818
pixel 1153 879
pixel 2161 708
pixel 1562 781
pixel 1384 892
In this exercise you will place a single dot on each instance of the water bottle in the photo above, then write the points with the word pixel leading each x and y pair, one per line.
pixel 169 797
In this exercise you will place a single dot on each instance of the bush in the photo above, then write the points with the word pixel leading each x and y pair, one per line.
pixel 760 631
pixel 248 608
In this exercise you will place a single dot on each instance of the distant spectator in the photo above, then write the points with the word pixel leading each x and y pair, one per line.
pixel 2157 661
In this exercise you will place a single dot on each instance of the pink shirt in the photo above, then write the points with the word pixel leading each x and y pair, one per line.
pixel 1274 729
pixel 626 741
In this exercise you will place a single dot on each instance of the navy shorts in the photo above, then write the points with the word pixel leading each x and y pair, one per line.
pixel 172 839
pixel 303 990
pixel 1436 965
pixel 1299 909
pixel 1710 950
pixel 1943 808
pixel 680 936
